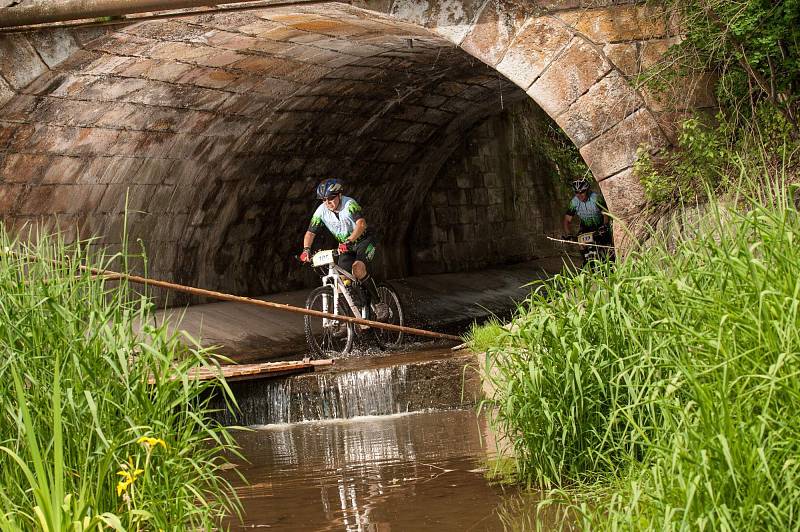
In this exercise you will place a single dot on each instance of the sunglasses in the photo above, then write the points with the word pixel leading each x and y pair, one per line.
pixel 331 198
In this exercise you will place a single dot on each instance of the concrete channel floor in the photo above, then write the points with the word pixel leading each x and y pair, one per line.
pixel 442 302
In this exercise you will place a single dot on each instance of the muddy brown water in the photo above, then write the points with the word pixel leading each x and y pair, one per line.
pixel 416 471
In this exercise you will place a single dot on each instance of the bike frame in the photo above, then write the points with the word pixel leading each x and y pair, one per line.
pixel 334 279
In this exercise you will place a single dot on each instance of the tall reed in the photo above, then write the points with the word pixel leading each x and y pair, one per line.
pixel 86 441
pixel 664 393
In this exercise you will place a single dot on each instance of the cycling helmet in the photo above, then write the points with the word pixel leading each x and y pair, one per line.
pixel 329 187
pixel 580 185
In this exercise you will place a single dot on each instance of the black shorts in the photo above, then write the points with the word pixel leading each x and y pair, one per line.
pixel 363 250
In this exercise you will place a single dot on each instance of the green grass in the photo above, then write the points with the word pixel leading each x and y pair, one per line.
pixel 76 408
pixel 484 336
pixel 665 393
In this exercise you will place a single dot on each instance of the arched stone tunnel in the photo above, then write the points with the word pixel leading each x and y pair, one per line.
pixel 211 131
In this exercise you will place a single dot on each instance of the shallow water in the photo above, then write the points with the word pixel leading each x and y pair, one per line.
pixel 420 471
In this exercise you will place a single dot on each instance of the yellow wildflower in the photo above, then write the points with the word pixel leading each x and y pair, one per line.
pixel 128 478
pixel 151 442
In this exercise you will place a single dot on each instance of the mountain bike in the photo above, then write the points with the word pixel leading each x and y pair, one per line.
pixel 341 294
pixel 592 250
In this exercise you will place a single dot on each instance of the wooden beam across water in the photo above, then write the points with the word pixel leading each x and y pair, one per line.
pixel 262 370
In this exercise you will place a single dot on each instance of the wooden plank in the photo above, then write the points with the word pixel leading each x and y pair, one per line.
pixel 234 372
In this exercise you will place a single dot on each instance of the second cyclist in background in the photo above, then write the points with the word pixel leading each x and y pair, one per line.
pixel 590 208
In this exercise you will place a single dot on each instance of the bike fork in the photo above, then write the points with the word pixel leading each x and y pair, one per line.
pixel 326 322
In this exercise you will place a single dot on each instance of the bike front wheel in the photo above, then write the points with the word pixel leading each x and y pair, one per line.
pixel 393 313
pixel 326 337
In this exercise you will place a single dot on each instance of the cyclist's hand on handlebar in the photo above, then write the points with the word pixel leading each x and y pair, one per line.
pixel 344 247
pixel 305 256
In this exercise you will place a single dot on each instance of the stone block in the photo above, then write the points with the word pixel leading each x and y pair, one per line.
pixel 163 199
pixel 682 94
pixel 619 23
pixel 495 213
pixel 19 62
pixel 9 197
pixel 451 19
pixel 602 107
pixel 652 51
pixel 54 45
pixel 6 92
pixel 152 171
pixel 8 131
pixel 61 199
pixel 457 197
pixel 102 89
pixel 624 56
pixel 497 24
pixel 84 36
pixel 63 170
pixel 66 112
pixel 118 169
pixel 467 214
pixel 624 195
pixel 19 108
pixel 176 51
pixel 568 77
pixel 464 233
pixel 536 45
pixel 92 141
pixel 446 216
pixel 23 167
pixel 478 196
pixel 615 150
pixel 496 196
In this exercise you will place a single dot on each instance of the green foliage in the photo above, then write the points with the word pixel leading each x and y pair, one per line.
pixel 665 393
pixel 752 45
pixel 481 337
pixel 751 48
pixel 100 426
pixel 699 162
pixel 557 151
pixel 703 159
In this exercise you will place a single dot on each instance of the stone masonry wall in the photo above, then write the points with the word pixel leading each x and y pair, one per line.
pixel 494 200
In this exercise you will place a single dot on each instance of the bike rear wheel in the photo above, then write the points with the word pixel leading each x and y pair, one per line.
pixel 328 338
pixel 390 339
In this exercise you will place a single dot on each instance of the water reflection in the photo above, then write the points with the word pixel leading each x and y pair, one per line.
pixel 422 471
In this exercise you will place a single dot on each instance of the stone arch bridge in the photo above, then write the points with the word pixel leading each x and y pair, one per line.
pixel 213 129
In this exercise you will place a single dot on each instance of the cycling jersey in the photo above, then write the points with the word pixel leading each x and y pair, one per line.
pixel 341 223
pixel 590 212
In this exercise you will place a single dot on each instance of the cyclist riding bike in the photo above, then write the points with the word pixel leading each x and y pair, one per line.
pixel 592 213
pixel 343 217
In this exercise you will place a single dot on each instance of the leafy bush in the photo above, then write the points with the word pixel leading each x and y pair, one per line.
pixel 100 425
pixel 665 393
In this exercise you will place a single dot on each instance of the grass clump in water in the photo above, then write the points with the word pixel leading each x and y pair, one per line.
pixel 665 393
pixel 85 441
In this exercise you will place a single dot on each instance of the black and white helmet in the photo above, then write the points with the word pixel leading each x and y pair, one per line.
pixel 580 185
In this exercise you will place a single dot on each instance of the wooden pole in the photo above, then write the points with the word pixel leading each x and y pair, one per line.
pixel 56 11
pixel 265 304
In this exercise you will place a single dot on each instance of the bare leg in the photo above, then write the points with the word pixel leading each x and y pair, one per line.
pixel 359 270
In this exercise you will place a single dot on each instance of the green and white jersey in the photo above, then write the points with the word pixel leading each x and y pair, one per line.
pixel 341 222
pixel 590 212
